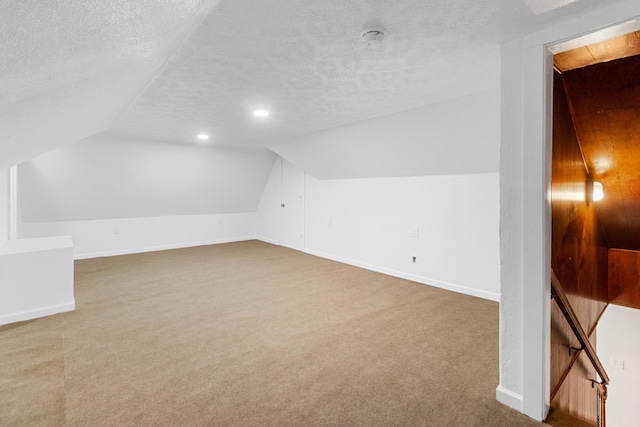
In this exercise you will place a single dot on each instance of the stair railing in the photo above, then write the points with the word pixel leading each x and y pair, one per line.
pixel 559 295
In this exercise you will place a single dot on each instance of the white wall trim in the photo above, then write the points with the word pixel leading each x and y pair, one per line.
pixel 538 75
pixel 36 313
pixel 131 251
pixel 530 130
pixel 509 398
pixel 408 276
pixel 268 240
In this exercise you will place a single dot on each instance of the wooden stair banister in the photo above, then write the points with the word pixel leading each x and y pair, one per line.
pixel 560 296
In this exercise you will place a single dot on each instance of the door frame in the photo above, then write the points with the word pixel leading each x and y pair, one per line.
pixel 526 85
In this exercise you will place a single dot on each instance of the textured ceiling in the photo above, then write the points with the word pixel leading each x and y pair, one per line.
pixel 169 69
pixel 303 60
pixel 68 69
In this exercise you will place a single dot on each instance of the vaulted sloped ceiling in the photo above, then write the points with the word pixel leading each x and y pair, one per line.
pixel 605 104
pixel 68 69
pixel 168 69
pixel 304 61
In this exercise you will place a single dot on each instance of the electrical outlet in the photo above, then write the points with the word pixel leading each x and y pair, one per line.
pixel 414 259
pixel 116 230
pixel 415 233
pixel 617 363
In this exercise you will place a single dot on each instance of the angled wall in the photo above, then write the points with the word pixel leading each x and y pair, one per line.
pixel 457 136
pixel 115 195
pixel 108 177
pixel 66 80
pixel 422 183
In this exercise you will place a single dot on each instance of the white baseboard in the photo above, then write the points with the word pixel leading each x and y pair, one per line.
pixel 36 313
pixel 268 240
pixel 509 398
pixel 403 275
pixel 413 277
pixel 130 251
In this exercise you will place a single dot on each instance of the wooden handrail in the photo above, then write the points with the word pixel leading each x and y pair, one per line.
pixel 560 296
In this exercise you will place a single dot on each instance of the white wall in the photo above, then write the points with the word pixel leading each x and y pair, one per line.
pixel 4 205
pixel 293 206
pixel 449 223
pixel 36 275
pixel 116 196
pixel 109 177
pixel 416 158
pixel 106 237
pixel 618 340
pixel 268 218
pixel 511 200
pixel 371 223
pixel 524 214
pixel 457 136
pixel 36 278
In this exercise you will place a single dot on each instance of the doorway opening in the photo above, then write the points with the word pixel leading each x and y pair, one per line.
pixel 595 245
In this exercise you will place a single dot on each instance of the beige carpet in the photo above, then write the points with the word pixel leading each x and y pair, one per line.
pixel 250 334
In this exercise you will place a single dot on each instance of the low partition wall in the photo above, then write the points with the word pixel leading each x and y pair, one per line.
pixel 36 278
pixel 120 236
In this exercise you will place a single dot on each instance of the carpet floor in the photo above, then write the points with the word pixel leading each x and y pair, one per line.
pixel 251 334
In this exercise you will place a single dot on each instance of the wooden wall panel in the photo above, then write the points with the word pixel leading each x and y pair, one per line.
pixel 579 259
pixel 624 277
pixel 606 114
pixel 576 396
pixel 620 47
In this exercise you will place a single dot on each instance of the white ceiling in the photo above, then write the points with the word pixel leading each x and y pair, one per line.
pixel 68 69
pixel 182 67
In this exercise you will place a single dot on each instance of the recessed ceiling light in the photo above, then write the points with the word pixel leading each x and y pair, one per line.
pixel 203 137
pixel 261 113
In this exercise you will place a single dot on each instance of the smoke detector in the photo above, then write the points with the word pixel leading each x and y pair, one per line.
pixel 372 36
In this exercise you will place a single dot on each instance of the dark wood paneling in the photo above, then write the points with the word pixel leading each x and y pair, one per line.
pixel 605 101
pixel 624 278
pixel 576 396
pixel 579 247
pixel 579 259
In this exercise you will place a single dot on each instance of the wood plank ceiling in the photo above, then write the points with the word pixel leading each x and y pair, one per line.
pixel 602 83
